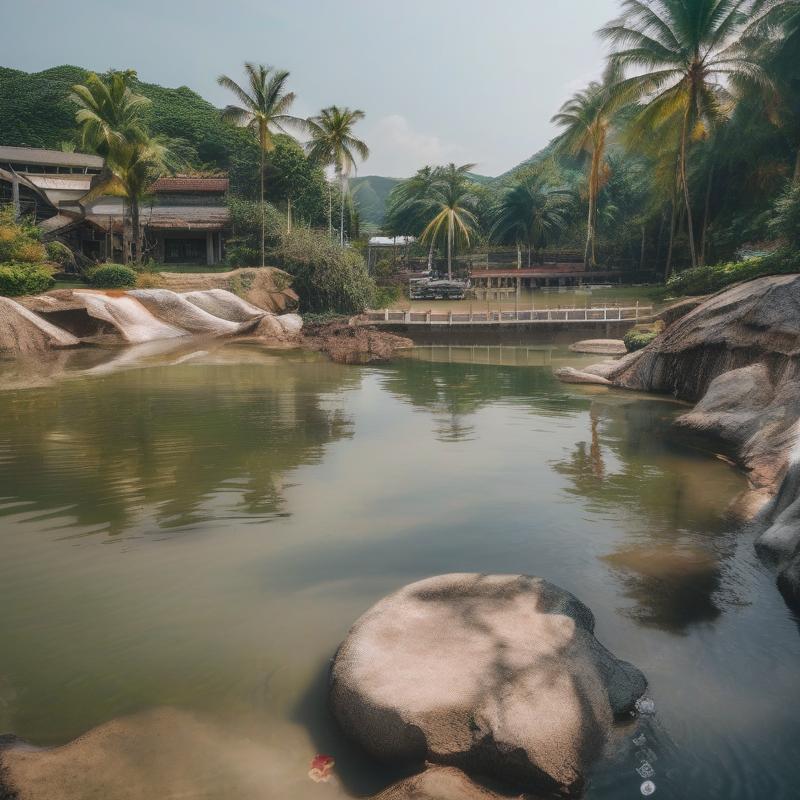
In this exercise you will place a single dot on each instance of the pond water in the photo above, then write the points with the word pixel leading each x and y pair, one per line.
pixel 197 527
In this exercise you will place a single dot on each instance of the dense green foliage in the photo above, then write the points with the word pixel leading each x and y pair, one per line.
pixel 636 340
pixel 325 276
pixel 112 276
pixel 22 270
pixel 712 278
pixel 20 279
pixel 60 254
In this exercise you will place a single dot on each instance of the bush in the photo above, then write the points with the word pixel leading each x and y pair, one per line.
pixel 240 255
pixel 20 279
pixel 386 296
pixel 112 276
pixel 326 276
pixel 785 222
pixel 60 254
pixel 636 340
pixel 149 280
pixel 712 278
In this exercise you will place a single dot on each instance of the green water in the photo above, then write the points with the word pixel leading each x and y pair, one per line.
pixel 196 526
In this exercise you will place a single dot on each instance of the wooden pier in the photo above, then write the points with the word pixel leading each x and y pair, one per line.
pixel 547 316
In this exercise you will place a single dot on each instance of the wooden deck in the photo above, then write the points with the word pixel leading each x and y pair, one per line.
pixel 564 316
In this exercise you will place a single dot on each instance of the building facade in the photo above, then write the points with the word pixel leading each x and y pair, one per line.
pixel 184 219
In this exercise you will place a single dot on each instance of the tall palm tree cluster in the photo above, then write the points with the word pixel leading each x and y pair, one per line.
pixel 688 137
pixel 111 119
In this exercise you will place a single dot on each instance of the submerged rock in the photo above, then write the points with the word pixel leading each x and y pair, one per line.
pixel 438 783
pixel 572 375
pixel 23 331
pixel 352 343
pixel 737 356
pixel 495 674
pixel 607 347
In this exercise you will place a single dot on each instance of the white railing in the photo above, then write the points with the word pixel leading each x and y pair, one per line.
pixel 389 316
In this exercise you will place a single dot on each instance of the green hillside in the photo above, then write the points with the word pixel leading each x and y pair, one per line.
pixel 44 117
pixel 370 193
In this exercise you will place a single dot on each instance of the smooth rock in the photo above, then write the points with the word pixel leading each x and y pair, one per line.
pixel 495 674
pixel 224 304
pixel 135 323
pixel 572 375
pixel 176 310
pixel 608 347
pixel 789 582
pixel 438 783
pixel 23 331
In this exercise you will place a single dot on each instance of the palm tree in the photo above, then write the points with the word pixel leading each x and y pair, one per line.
pixel 110 121
pixel 452 206
pixel 109 111
pixel 333 144
pixel 129 171
pixel 529 214
pixel 407 204
pixel 586 118
pixel 263 111
pixel 682 52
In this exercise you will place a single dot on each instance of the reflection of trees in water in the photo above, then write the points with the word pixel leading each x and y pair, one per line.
pixel 170 440
pixel 673 567
pixel 454 392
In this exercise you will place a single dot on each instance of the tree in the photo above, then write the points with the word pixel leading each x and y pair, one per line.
pixel 295 180
pixel 263 111
pixel 682 53
pixel 408 203
pixel 452 208
pixel 529 214
pixel 586 118
pixel 333 144
pixel 109 116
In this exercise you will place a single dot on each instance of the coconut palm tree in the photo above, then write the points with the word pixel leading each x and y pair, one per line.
pixel 407 205
pixel 586 118
pixel 110 122
pixel 333 144
pixel 264 108
pixel 109 111
pixel 529 214
pixel 451 208
pixel 681 54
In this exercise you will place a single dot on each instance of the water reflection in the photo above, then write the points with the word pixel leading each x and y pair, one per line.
pixel 201 435
pixel 672 567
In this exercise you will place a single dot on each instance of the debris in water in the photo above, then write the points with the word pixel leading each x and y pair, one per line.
pixel 645 705
pixel 647 788
pixel 640 740
pixel 646 770
pixel 321 768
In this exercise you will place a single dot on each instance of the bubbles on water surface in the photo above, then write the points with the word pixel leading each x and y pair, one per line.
pixel 646 705
pixel 647 788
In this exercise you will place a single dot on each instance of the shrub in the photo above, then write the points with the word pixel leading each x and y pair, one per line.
pixel 20 279
pixel 149 280
pixel 60 254
pixel 240 255
pixel 636 340
pixel 326 276
pixel 29 252
pixel 112 276
pixel 386 296
pixel 785 222
pixel 712 278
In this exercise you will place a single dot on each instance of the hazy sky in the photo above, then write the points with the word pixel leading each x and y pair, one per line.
pixel 439 80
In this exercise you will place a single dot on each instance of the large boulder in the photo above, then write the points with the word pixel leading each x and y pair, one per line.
pixel 224 304
pixel 572 375
pixel 495 674
pixel 608 347
pixel 23 331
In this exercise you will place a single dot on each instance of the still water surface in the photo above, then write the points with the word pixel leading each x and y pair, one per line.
pixel 198 528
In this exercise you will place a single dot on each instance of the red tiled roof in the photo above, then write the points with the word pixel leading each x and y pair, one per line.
pixel 185 183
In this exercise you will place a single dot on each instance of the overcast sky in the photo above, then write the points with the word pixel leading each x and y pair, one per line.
pixel 439 80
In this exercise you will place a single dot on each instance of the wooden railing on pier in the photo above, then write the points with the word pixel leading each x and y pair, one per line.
pixel 389 316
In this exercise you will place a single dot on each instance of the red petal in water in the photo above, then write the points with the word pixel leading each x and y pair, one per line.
pixel 321 767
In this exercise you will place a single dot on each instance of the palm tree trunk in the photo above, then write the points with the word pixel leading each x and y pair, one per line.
pixel 588 255
pixel 430 256
pixel 702 257
pixel 263 212
pixel 796 179
pixel 668 266
pixel 641 252
pixel 330 211
pixel 125 229
pixel 684 181
pixel 137 233
pixel 450 251
pixel 288 214
pixel 519 256
pixel 343 179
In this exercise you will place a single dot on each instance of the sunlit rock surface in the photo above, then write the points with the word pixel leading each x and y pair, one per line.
pixel 224 304
pixel 495 674
pixel 608 347
pixel 572 375
pixel 438 783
